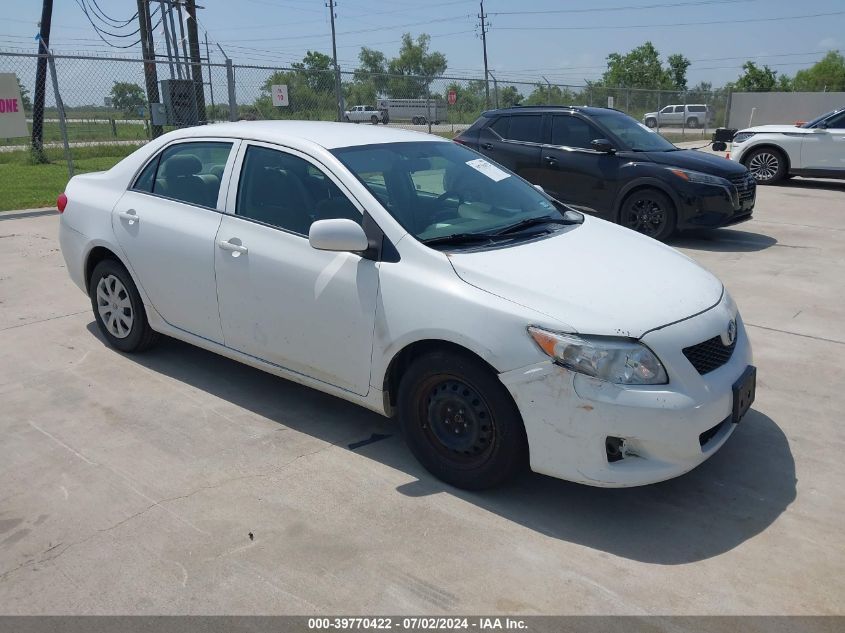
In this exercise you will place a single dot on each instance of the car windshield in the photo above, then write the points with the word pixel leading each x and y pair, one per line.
pixel 442 192
pixel 819 119
pixel 634 134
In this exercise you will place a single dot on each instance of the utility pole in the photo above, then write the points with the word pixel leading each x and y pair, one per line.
pixel 483 18
pixel 40 84
pixel 148 53
pixel 194 47
pixel 337 89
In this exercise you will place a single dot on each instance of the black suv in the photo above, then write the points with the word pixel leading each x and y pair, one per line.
pixel 605 163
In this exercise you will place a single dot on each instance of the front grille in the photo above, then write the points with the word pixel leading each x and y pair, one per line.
pixel 745 185
pixel 709 355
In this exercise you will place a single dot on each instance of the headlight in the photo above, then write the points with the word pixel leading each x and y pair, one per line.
pixel 741 137
pixel 615 360
pixel 697 176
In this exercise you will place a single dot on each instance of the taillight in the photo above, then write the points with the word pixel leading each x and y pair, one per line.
pixel 61 202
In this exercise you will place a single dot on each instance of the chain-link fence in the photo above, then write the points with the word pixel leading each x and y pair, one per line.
pixel 108 112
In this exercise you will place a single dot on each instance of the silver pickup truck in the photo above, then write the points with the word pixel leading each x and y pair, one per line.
pixel 371 114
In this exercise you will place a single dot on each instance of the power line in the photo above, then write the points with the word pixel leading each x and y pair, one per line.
pixel 663 5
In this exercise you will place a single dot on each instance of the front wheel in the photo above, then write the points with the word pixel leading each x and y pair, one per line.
pixel 650 212
pixel 118 308
pixel 651 123
pixel 460 422
pixel 374 120
pixel 766 164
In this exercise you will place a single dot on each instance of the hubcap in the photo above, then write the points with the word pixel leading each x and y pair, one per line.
pixel 114 306
pixel 457 421
pixel 646 216
pixel 763 166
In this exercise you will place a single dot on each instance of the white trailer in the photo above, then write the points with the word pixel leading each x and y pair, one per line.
pixel 417 111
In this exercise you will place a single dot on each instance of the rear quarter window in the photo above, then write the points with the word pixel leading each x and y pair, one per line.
pixel 525 128
pixel 697 108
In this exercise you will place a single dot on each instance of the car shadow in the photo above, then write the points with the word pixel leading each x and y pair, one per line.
pixel 725 240
pixel 729 499
pixel 811 183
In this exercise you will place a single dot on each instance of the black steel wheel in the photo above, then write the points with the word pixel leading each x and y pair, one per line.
pixel 460 422
pixel 649 212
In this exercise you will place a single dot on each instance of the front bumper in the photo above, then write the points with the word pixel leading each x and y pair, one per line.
pixel 712 206
pixel 668 429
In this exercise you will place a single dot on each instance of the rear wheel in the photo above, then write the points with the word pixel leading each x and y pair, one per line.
pixel 374 120
pixel 766 164
pixel 692 122
pixel 460 422
pixel 650 212
pixel 118 308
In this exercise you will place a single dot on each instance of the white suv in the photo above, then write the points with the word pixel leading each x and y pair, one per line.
pixel 692 115
pixel 775 152
pixel 368 114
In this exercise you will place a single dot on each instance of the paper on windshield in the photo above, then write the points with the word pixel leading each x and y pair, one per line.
pixel 488 169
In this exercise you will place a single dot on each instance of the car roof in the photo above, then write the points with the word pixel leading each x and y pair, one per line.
pixel 549 108
pixel 323 133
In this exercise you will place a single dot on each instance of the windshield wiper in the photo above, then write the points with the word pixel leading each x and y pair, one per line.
pixel 522 224
pixel 459 238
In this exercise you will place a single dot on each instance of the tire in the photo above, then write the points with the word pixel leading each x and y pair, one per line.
pixel 766 164
pixel 491 446
pixel 651 123
pixel 374 120
pixel 650 212
pixel 415 120
pixel 692 123
pixel 437 123
pixel 130 331
pixel 346 118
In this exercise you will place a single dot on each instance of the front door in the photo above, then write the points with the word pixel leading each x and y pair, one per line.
pixel 824 148
pixel 305 310
pixel 573 172
pixel 166 224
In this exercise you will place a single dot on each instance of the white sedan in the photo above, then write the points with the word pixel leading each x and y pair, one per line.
pixel 774 152
pixel 410 275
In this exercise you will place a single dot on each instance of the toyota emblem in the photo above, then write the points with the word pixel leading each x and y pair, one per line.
pixel 731 333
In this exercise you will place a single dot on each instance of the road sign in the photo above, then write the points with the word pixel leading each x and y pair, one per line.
pixel 280 95
pixel 610 101
pixel 12 117
pixel 453 97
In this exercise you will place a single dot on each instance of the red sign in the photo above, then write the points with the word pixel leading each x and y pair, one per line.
pixel 453 97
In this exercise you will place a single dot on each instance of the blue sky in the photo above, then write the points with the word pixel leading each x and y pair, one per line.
pixel 567 45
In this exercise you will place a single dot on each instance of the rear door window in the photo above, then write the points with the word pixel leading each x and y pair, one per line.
pixel 525 128
pixel 191 172
pixel 679 109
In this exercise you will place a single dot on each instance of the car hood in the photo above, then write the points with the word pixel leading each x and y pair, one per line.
pixel 777 129
pixel 698 161
pixel 595 278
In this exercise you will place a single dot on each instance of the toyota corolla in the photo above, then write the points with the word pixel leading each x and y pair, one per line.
pixel 411 275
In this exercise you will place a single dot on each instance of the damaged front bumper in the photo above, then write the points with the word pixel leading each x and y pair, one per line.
pixel 573 421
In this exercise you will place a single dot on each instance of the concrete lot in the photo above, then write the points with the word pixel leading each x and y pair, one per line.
pixel 131 484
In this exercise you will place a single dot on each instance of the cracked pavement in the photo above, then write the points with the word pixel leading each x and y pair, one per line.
pixel 131 484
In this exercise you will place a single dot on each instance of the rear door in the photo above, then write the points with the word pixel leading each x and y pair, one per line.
pixel 572 171
pixel 514 141
pixel 166 224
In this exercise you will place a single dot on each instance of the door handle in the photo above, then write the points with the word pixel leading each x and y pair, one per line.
pixel 487 146
pixel 235 249
pixel 551 162
pixel 131 216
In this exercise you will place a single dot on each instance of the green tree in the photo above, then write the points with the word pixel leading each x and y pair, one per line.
pixel 26 102
pixel 826 74
pixel 317 69
pixel 755 79
pixel 677 70
pixel 509 96
pixel 416 68
pixel 543 94
pixel 372 70
pixel 127 97
pixel 641 68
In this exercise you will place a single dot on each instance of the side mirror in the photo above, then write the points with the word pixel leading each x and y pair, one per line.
pixel 821 127
pixel 340 235
pixel 603 145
